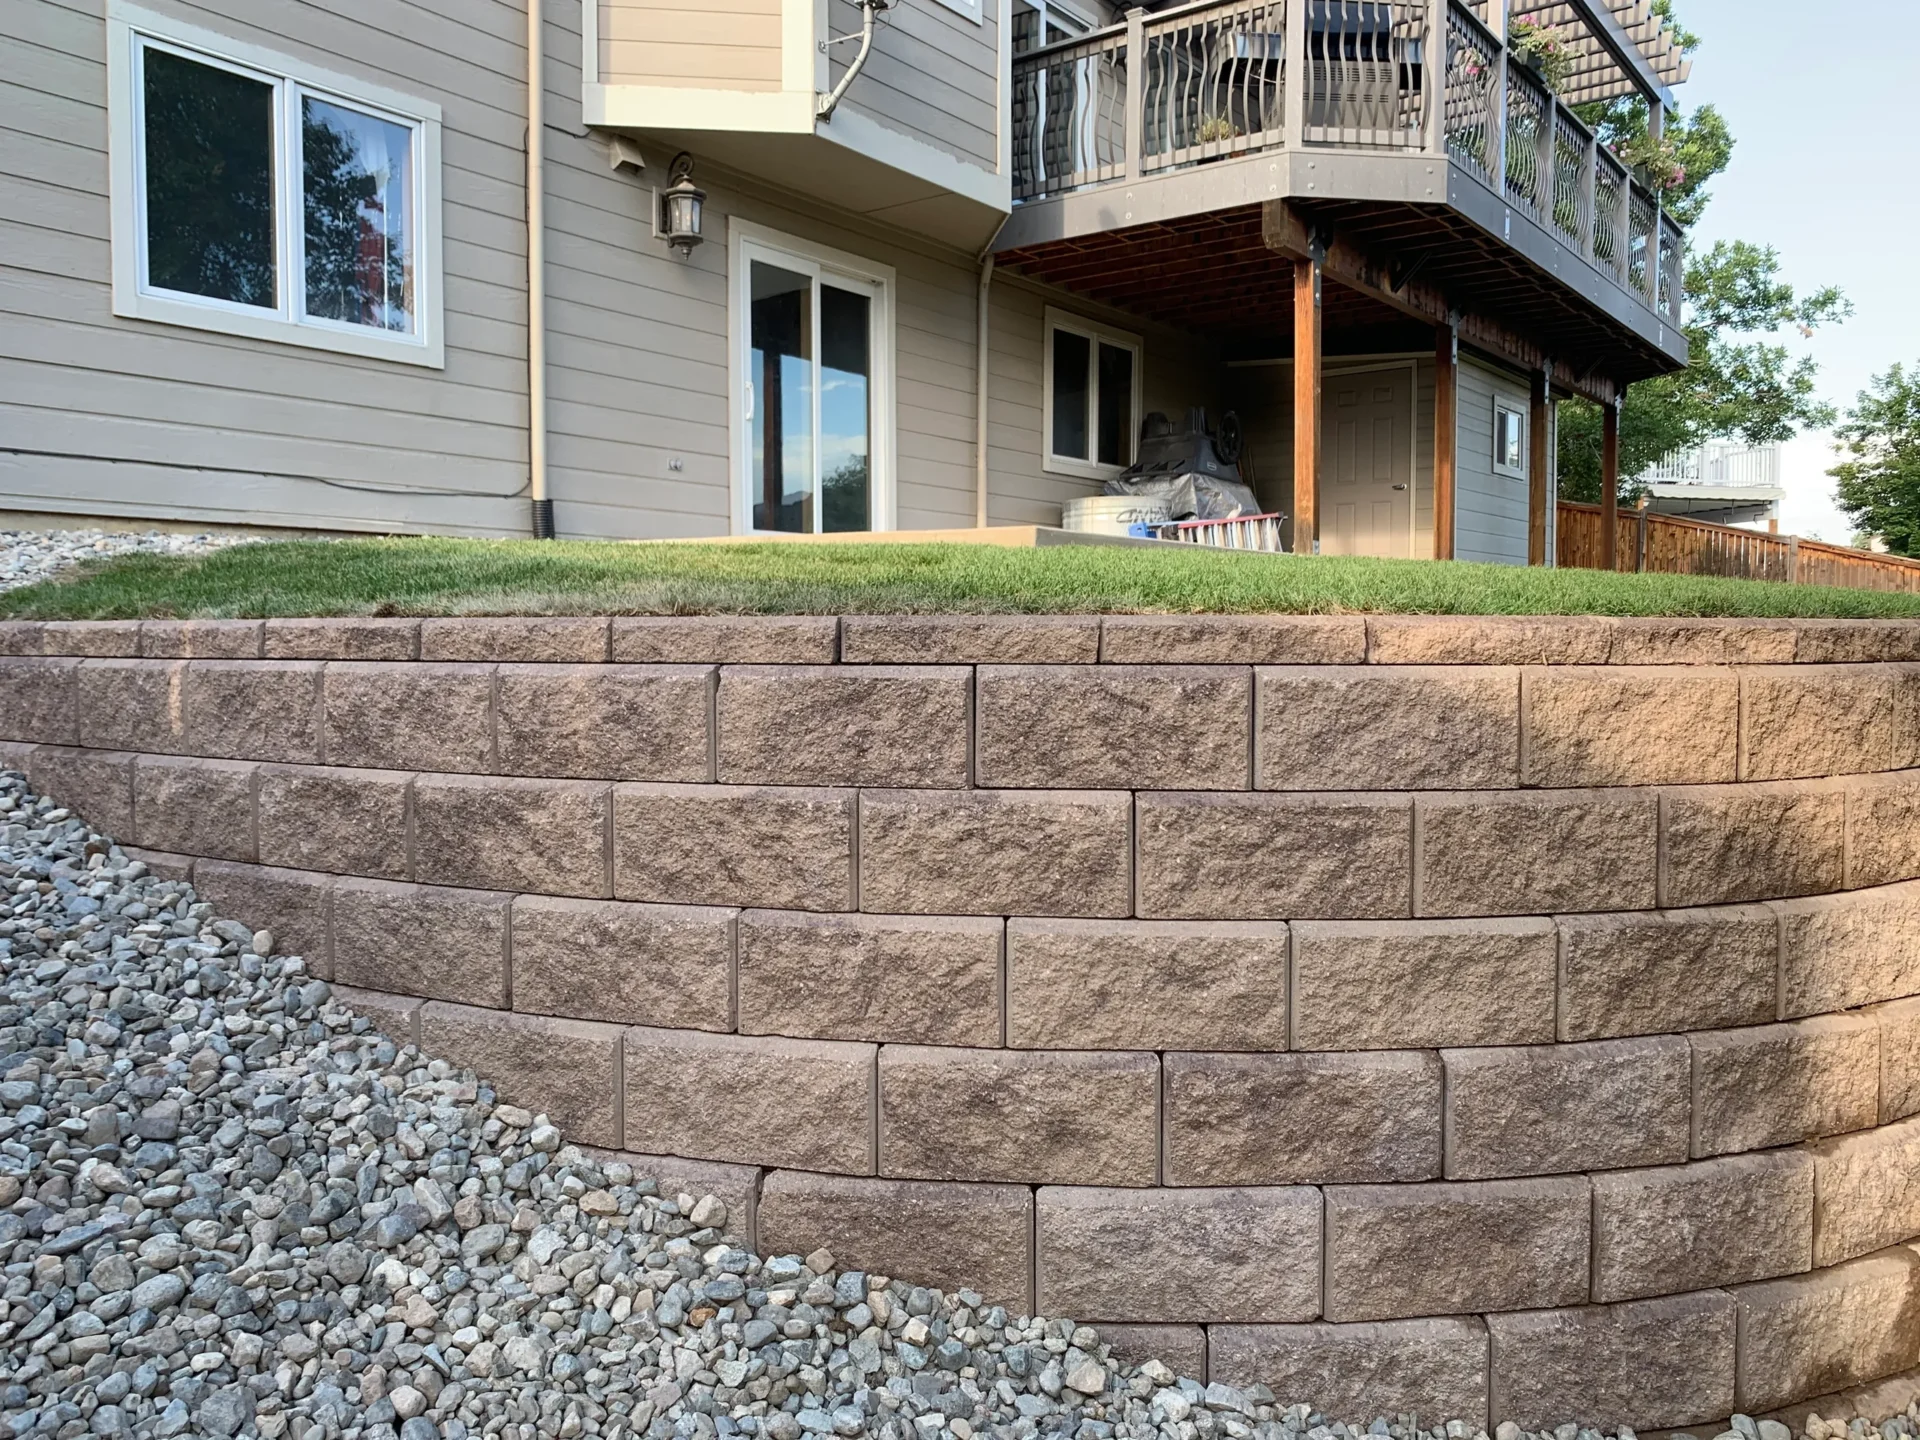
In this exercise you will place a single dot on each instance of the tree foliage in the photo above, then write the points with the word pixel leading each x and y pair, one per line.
pixel 1878 485
pixel 1742 381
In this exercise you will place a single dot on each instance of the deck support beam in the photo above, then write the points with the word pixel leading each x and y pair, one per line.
pixel 1610 486
pixel 1446 436
pixel 1539 433
pixel 1306 403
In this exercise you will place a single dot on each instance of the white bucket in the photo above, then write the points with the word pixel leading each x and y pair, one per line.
pixel 1112 514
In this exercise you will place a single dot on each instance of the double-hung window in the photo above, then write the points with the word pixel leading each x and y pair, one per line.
pixel 1509 439
pixel 1092 397
pixel 261 197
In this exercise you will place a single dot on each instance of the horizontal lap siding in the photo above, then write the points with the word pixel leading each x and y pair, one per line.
pixel 714 44
pixel 1491 510
pixel 932 75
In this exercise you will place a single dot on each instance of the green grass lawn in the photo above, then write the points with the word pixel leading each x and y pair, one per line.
pixel 527 577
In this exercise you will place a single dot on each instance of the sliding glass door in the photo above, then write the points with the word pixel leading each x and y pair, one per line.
pixel 812 393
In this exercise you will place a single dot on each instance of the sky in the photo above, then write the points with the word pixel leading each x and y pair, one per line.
pixel 1826 170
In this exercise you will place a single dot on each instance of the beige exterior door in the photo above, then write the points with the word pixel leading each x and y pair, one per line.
pixel 1366 469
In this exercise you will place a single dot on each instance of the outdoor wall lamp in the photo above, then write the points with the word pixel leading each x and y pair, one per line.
pixel 680 206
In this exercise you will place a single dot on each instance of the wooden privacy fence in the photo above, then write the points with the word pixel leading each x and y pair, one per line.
pixel 1672 545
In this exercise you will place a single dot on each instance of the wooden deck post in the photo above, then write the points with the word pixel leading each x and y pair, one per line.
pixel 1539 458
pixel 1306 405
pixel 1446 436
pixel 1610 485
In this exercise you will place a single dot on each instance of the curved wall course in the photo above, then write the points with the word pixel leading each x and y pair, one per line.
pixel 1578 1012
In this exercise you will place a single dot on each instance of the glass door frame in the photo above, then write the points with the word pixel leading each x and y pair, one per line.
pixel 747 243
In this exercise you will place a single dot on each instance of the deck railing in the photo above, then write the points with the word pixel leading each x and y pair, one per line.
pixel 1674 545
pixel 1210 80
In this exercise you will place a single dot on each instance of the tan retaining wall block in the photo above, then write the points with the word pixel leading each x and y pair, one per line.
pixel 932 980
pixel 1395 1367
pixel 410 716
pixel 726 639
pixel 345 638
pixel 195 807
pixel 1866 1192
pixel 136 705
pixel 668 965
pixel 1388 728
pixel 970 639
pixel 293 904
pixel 1181 1348
pixel 1840 951
pixel 1657 640
pixel 734 845
pixel 1489 639
pixel 568 1070
pixel 1397 1251
pixel 803 1103
pixel 1042 1117
pixel 1549 1109
pixel 253 709
pixel 1389 984
pixel 1088 727
pixel 1812 720
pixel 202 639
pixel 1650 1363
pixel 1883 828
pixel 1302 1119
pixel 422 940
pixel 1625 725
pixel 1233 639
pixel 1537 852
pixel 1246 1255
pixel 1752 842
pixel 831 725
pixel 996 852
pixel 1697 1226
pixel 547 836
pixel 88 637
pixel 395 1016
pixel 607 722
pixel 1146 985
pixel 977 1237
pixel 1817 1333
pixel 1899 1024
pixel 557 639
pixel 1259 857
pixel 37 700
pixel 1662 971
pixel 1781 1084
pixel 732 1185
pixel 98 784
pixel 353 822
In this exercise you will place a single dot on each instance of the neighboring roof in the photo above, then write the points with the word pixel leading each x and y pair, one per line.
pixel 1596 74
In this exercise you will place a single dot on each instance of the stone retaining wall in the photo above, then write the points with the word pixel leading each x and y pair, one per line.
pixel 1503 1019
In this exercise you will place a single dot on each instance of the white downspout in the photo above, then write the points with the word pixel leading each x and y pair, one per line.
pixel 980 393
pixel 537 276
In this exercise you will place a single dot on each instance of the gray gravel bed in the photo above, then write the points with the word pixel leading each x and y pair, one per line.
pixel 30 556
pixel 229 1206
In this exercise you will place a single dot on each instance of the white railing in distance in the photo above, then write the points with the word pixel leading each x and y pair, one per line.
pixel 1215 82
pixel 1070 115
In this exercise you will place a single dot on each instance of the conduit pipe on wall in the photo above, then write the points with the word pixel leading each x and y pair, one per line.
pixel 537 277
pixel 831 101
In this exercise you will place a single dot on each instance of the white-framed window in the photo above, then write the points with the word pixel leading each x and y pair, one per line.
pixel 969 8
pixel 1510 455
pixel 1046 22
pixel 259 196
pixel 1093 396
pixel 812 356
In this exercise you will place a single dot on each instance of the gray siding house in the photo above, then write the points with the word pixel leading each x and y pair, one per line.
pixel 297 263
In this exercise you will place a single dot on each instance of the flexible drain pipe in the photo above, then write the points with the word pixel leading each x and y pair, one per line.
pixel 537 277
pixel 830 101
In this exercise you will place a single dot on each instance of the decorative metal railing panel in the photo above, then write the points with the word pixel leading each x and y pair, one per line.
pixel 1610 185
pixel 1572 165
pixel 1366 73
pixel 1641 262
pixel 1673 266
pixel 1473 92
pixel 1215 83
pixel 1070 115
pixel 1529 116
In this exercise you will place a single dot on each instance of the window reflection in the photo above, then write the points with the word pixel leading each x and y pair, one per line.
pixel 357 188
pixel 782 376
pixel 846 375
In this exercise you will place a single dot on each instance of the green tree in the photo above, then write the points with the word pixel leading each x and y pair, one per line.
pixel 1741 380
pixel 1878 485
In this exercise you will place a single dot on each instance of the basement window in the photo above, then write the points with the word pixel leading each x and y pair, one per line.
pixel 1092 390
pixel 260 197
pixel 1509 439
